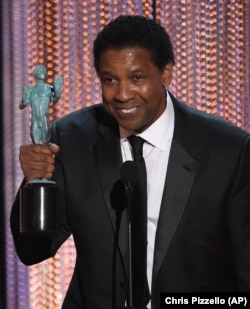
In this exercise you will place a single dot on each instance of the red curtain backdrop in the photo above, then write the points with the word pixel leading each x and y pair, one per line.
pixel 211 39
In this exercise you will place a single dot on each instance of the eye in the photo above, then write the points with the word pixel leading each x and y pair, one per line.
pixel 108 79
pixel 138 77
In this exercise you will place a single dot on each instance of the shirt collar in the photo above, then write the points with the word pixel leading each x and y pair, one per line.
pixel 161 131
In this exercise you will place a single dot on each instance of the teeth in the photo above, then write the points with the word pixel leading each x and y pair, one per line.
pixel 127 111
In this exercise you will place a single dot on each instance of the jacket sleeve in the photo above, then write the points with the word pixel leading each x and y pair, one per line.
pixel 238 220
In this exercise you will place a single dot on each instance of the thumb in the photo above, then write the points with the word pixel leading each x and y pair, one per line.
pixel 54 148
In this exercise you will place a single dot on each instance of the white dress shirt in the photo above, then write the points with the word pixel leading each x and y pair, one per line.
pixel 156 150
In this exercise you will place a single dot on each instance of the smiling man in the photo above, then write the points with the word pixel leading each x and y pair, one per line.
pixel 132 87
pixel 198 180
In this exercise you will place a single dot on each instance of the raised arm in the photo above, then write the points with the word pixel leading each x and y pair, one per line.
pixel 26 97
pixel 57 89
pixel 37 161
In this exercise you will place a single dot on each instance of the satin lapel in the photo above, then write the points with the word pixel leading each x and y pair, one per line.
pixel 180 174
pixel 108 158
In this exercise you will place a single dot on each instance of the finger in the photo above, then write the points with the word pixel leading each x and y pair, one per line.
pixel 37 153
pixel 35 149
pixel 37 170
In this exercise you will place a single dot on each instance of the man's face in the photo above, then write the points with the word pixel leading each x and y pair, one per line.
pixel 133 87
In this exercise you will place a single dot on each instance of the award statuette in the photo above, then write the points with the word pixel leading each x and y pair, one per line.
pixel 40 212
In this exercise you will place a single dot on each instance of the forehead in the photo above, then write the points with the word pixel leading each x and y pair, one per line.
pixel 126 57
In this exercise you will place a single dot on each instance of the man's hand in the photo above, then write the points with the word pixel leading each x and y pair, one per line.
pixel 38 161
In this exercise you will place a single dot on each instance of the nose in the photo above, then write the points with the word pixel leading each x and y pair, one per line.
pixel 124 91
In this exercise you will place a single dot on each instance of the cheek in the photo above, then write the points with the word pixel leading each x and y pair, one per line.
pixel 153 90
pixel 106 94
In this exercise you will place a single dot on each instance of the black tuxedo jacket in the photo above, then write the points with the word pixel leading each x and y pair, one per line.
pixel 203 234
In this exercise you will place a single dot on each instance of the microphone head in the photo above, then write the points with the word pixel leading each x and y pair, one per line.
pixel 118 197
pixel 129 173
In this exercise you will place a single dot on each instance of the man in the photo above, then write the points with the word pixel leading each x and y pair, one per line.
pixel 198 179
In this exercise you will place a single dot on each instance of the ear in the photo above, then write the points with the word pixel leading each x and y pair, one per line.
pixel 167 74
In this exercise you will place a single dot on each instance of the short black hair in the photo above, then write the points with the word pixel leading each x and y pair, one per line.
pixel 135 31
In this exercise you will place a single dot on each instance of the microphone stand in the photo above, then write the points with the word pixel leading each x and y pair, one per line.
pixel 129 176
pixel 129 196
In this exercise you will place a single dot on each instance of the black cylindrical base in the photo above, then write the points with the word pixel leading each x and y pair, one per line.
pixel 40 211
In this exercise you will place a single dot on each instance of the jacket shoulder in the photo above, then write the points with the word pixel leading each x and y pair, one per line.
pixel 204 125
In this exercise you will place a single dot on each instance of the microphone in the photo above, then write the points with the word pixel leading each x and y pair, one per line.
pixel 118 198
pixel 129 174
